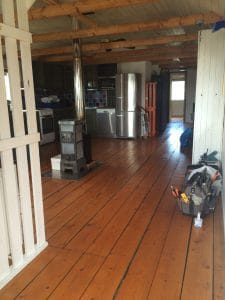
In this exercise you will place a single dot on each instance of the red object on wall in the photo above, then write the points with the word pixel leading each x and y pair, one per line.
pixel 150 106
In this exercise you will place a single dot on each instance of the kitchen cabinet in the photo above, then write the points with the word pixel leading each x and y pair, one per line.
pixel 106 122
pixel 99 83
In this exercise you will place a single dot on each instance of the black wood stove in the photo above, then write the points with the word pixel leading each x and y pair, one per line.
pixel 72 148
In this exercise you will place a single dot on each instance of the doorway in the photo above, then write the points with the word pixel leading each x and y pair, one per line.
pixel 177 96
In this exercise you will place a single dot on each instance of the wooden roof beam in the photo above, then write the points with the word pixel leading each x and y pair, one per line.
pixel 91 61
pixel 177 67
pixel 182 61
pixel 50 2
pixel 158 51
pixel 118 45
pixel 82 18
pixel 64 9
pixel 126 28
pixel 157 54
pixel 173 50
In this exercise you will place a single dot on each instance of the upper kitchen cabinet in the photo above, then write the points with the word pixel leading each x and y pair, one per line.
pixel 52 76
pixel 107 70
pixel 100 85
pixel 90 73
pixel 38 74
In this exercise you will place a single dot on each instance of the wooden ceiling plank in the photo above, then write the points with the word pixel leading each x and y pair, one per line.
pixel 64 9
pixel 126 28
pixel 118 45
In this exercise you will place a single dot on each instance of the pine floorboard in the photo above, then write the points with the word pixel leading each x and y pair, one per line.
pixel 118 234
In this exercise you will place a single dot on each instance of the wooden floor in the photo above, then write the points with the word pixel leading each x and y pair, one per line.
pixel 118 234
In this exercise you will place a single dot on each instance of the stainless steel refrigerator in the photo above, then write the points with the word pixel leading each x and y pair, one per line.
pixel 127 93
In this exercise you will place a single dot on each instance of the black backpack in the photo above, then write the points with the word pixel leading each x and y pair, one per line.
pixel 202 186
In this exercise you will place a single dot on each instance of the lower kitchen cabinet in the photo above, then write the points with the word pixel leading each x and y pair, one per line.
pixel 101 122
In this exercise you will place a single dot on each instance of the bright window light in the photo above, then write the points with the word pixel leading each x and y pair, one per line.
pixel 177 90
pixel 7 87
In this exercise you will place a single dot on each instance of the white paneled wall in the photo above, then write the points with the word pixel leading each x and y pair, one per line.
pixel 22 234
pixel 210 88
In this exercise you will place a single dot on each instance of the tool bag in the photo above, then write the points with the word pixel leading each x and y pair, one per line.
pixel 202 186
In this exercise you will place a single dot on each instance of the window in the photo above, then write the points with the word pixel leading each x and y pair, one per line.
pixel 177 90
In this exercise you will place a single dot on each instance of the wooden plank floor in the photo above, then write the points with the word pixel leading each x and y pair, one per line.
pixel 118 234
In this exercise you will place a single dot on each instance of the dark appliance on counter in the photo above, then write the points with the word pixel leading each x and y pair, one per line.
pixel 127 98
pixel 72 147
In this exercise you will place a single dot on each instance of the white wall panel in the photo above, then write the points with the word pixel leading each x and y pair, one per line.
pixel 209 131
pixel 209 107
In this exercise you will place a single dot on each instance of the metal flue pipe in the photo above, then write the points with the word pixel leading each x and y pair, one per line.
pixel 78 78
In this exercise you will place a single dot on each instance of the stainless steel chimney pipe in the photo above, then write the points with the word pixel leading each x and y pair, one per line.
pixel 78 78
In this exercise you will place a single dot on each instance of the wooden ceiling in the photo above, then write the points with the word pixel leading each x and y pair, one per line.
pixel 111 31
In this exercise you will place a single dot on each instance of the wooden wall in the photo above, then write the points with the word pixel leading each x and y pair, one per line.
pixel 209 107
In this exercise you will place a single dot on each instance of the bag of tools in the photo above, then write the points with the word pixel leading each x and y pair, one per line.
pixel 201 188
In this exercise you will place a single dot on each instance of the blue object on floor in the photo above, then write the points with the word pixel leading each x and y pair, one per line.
pixel 186 138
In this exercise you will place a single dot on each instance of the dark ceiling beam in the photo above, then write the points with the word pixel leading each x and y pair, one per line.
pixel 127 28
